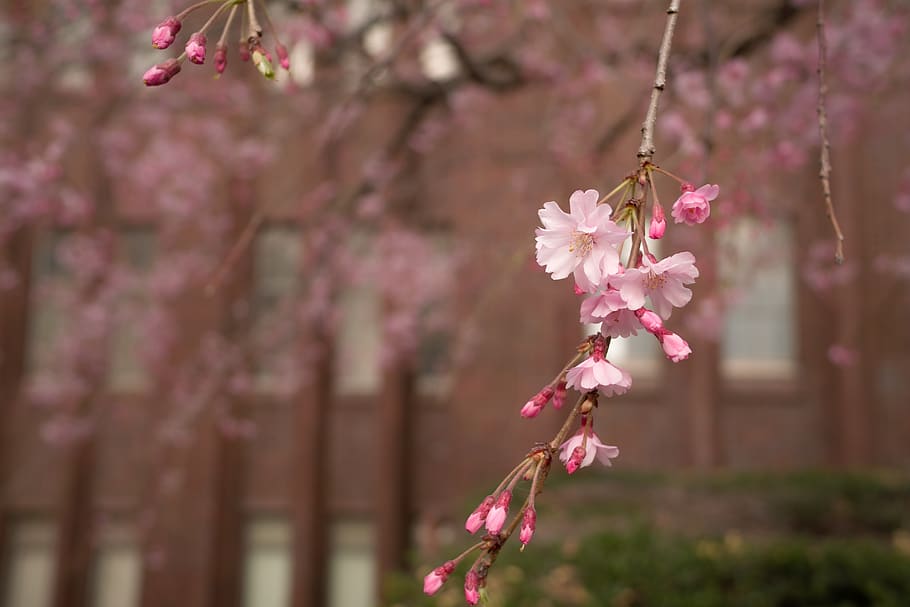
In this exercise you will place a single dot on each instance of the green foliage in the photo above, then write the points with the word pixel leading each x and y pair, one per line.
pixel 813 539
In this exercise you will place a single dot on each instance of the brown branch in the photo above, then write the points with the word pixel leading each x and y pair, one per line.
pixel 646 150
pixel 824 172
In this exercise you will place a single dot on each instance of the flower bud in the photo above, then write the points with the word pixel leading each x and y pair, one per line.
pixel 163 36
pixel 534 406
pixel 498 513
pixel 675 347
pixel 436 578
pixel 195 48
pixel 220 57
pixel 477 518
pixel 244 50
pixel 649 320
pixel 658 223
pixel 283 59
pixel 528 525
pixel 471 593
pixel 559 397
pixel 263 62
pixel 161 73
pixel 575 460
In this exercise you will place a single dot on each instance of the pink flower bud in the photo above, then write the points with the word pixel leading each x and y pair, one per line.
pixel 675 347
pixel 195 48
pixel 537 402
pixel 283 59
pixel 528 525
pixel 436 578
pixel 244 50
pixel 477 518
pixel 498 513
pixel 220 57
pixel 575 460
pixel 658 223
pixel 649 320
pixel 161 73
pixel 471 593
pixel 559 397
pixel 163 36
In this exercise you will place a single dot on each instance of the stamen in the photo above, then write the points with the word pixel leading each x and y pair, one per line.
pixel 581 243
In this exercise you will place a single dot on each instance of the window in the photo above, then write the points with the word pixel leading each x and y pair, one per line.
pixel 352 565
pixel 756 262
pixel 29 577
pixel 276 262
pixel 126 370
pixel 267 562
pixel 117 575
pixel 357 342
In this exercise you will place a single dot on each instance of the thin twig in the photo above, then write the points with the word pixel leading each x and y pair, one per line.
pixel 646 150
pixel 824 172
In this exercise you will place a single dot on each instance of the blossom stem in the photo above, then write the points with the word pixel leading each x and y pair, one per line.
pixel 567 425
pixel 268 22
pixel 622 184
pixel 227 24
pixel 824 172
pixel 654 167
pixel 255 28
pixel 510 475
pixel 182 14
pixel 476 546
pixel 646 150
pixel 215 15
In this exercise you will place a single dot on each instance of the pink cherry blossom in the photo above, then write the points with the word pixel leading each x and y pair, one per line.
pixel 436 578
pixel 599 375
pixel 582 242
pixel 621 323
pixel 693 207
pixel 596 308
pixel 663 281
pixel 593 447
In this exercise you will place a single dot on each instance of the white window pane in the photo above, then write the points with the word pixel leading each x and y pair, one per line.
pixel 276 267
pixel 357 343
pixel 352 565
pixel 29 578
pixel 639 355
pixel 117 577
pixel 758 331
pixel 267 563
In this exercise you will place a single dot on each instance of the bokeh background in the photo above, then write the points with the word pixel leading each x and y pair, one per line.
pixel 264 344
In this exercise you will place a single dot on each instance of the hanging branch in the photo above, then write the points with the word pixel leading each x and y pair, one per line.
pixel 824 172
pixel 646 150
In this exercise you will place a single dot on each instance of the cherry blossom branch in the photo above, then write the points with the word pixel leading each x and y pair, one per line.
pixel 824 172
pixel 646 150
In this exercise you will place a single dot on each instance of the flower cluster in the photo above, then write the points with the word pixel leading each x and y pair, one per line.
pixel 622 297
pixel 250 46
